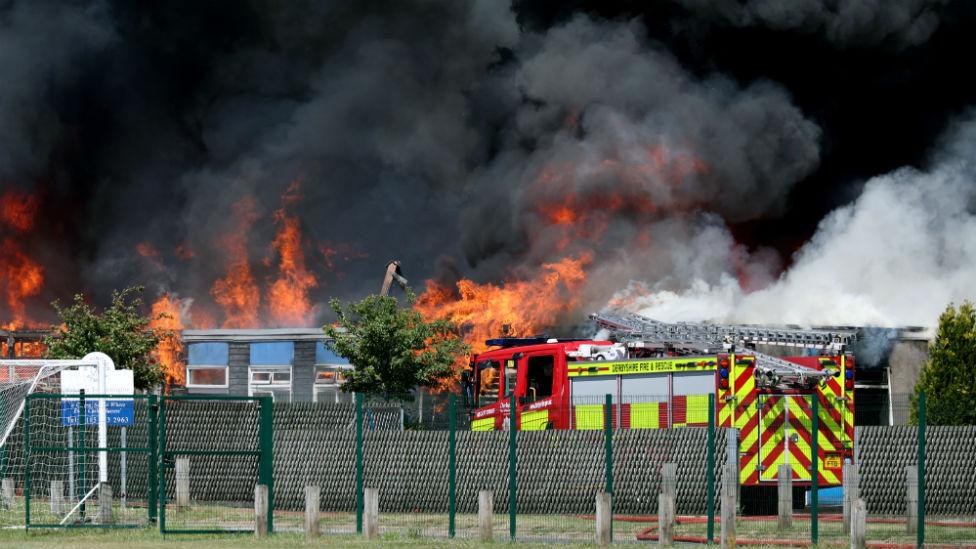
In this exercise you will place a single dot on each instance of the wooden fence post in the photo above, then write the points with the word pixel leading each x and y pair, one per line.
pixel 669 488
pixel 859 516
pixel 486 512
pixel 312 498
pixel 604 518
pixel 911 498
pixel 851 487
pixel 7 492
pixel 57 498
pixel 665 520
pixel 371 513
pixel 182 483
pixel 730 486
pixel 104 503
pixel 784 484
pixel 261 510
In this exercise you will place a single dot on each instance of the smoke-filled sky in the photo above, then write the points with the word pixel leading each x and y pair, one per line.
pixel 801 161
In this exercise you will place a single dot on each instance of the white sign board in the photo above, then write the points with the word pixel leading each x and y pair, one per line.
pixel 119 412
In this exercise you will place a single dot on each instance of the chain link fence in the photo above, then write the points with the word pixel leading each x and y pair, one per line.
pixel 436 478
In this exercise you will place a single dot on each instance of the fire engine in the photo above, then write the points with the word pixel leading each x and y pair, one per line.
pixel 660 375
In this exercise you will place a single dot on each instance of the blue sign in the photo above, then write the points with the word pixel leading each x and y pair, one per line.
pixel 118 413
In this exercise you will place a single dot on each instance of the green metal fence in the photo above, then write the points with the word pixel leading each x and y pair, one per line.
pixel 207 477
pixel 212 451
pixel 71 480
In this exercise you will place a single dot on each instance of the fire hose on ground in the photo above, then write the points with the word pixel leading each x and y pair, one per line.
pixel 649 533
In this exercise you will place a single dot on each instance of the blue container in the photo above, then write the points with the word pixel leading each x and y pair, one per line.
pixel 827 497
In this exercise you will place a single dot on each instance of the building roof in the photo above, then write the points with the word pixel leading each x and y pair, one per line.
pixel 256 334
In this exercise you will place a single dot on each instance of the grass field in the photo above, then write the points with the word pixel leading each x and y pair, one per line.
pixel 430 530
pixel 150 539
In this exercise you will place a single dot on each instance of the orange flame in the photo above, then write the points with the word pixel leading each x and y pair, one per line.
pixel 527 307
pixel 18 210
pixel 655 176
pixel 20 278
pixel 237 293
pixel 145 249
pixel 288 296
pixel 166 319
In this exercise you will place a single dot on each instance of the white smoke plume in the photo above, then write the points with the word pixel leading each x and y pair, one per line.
pixel 896 256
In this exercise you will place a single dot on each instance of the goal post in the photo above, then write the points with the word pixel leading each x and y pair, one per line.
pixel 56 421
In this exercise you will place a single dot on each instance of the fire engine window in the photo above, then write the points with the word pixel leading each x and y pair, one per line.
pixel 539 377
pixel 487 382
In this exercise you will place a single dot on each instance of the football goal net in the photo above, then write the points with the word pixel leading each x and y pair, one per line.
pixel 50 422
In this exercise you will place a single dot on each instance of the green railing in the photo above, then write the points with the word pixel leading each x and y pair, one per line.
pixel 249 460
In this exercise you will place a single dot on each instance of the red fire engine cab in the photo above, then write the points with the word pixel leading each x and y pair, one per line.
pixel 662 375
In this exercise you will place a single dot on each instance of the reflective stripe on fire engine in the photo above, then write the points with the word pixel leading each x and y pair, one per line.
pixel 588 416
pixel 535 421
pixel 626 367
pixel 691 410
pixel 648 415
pixel 484 424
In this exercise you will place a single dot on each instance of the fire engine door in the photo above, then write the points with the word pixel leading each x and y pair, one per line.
pixel 535 384
pixel 784 435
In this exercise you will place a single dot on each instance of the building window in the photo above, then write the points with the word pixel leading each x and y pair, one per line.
pixel 199 377
pixel 270 371
pixel 274 381
pixel 330 374
pixel 206 365
pixel 328 384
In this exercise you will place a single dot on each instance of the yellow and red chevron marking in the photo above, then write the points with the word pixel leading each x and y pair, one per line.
pixel 800 421
pixel 833 399
pixel 845 362
pixel 746 420
pixel 772 435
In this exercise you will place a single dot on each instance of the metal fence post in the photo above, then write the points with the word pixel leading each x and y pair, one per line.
pixel 266 441
pixel 27 456
pixel 512 484
pixel 82 455
pixel 153 506
pixel 710 469
pixel 920 533
pixel 452 467
pixel 608 455
pixel 359 463
pixel 815 471
pixel 161 451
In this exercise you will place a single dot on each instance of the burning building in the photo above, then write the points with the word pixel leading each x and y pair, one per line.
pixel 23 343
pixel 534 161
pixel 290 365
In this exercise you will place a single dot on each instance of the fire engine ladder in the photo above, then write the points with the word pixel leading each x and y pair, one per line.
pixel 770 371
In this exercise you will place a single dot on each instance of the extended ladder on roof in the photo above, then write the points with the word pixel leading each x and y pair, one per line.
pixel 636 330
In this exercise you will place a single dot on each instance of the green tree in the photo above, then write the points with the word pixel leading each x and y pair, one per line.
pixel 120 331
pixel 393 349
pixel 949 376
